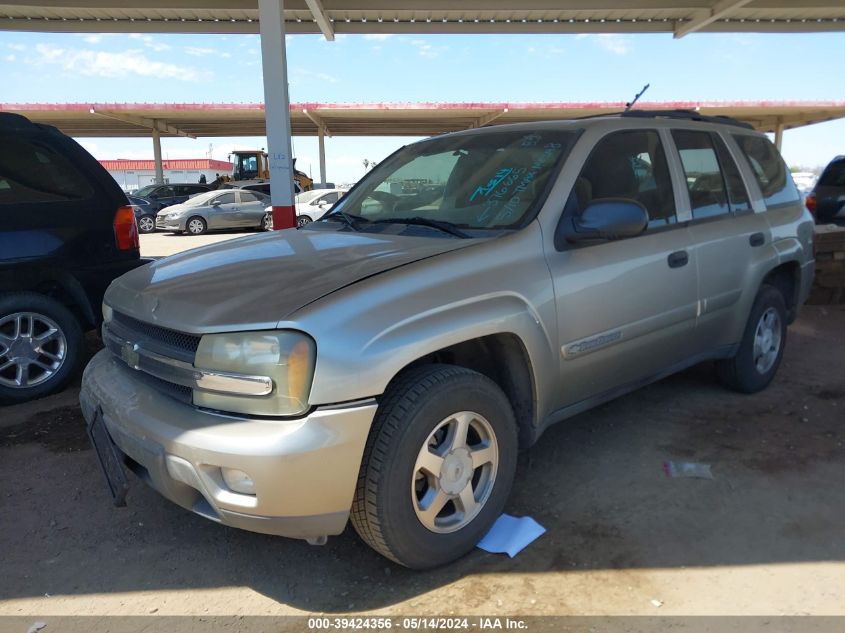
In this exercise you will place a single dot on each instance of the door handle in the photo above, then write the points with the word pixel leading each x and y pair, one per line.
pixel 678 259
pixel 757 239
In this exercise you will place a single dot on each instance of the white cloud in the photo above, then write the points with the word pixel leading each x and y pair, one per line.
pixel 196 51
pixel 614 43
pixel 9 58
pixel 113 65
pixel 378 36
pixel 16 47
pixel 611 42
pixel 93 39
pixel 424 49
pixel 150 42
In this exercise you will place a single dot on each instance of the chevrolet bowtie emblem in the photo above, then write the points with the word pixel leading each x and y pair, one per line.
pixel 129 354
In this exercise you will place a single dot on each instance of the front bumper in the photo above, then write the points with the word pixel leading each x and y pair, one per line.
pixel 167 224
pixel 305 470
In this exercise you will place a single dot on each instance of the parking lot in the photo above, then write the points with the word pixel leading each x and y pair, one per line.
pixel 762 537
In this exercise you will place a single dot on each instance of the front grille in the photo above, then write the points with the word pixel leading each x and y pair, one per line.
pixel 180 345
pixel 180 392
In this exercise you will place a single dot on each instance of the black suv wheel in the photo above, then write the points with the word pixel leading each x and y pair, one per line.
pixel 40 346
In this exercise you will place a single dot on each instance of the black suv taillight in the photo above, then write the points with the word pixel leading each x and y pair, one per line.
pixel 125 230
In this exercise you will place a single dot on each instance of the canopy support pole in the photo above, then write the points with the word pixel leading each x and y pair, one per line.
pixel 271 15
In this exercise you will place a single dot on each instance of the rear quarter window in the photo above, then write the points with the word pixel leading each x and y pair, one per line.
pixel 769 170
pixel 833 175
pixel 33 171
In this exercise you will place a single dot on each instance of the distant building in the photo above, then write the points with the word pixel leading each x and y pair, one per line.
pixel 134 174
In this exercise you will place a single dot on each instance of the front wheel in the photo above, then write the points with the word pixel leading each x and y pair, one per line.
pixel 302 220
pixel 196 225
pixel 437 468
pixel 761 349
pixel 267 222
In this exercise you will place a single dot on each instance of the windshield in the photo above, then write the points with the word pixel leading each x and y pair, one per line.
pixel 308 196
pixel 199 199
pixel 145 191
pixel 489 180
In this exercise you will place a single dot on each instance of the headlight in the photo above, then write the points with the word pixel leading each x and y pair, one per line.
pixel 286 357
pixel 108 314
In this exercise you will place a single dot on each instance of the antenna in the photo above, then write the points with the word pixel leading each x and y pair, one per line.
pixel 636 98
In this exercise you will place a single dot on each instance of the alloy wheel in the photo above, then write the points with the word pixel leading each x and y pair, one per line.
pixel 146 224
pixel 454 472
pixel 767 340
pixel 196 226
pixel 32 349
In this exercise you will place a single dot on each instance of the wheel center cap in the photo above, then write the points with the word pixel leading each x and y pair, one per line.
pixel 767 340
pixel 22 349
pixel 456 471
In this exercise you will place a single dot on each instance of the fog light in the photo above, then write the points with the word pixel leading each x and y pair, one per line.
pixel 238 481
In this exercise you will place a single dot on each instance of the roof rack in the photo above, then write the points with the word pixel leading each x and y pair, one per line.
pixel 689 115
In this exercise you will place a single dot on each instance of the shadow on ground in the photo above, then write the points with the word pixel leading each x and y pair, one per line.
pixel 596 483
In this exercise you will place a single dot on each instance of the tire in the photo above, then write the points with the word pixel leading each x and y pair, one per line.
pixel 147 224
pixel 56 359
pixel 196 225
pixel 267 222
pixel 422 409
pixel 757 360
pixel 302 220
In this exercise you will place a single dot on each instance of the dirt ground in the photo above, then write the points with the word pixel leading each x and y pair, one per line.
pixel 763 537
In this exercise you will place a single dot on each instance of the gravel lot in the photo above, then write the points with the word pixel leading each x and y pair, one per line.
pixel 763 537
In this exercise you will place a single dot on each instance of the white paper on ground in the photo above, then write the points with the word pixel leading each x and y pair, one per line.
pixel 510 535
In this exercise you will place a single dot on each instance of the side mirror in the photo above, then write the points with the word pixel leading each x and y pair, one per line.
pixel 216 203
pixel 609 219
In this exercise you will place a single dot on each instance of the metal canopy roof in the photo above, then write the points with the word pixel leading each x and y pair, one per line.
pixel 428 16
pixel 380 119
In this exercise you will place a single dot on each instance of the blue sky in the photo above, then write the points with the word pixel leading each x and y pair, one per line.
pixel 39 67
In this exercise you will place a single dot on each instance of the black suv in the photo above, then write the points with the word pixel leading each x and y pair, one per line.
pixel 160 196
pixel 66 231
pixel 827 200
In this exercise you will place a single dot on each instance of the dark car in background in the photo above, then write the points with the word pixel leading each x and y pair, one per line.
pixel 827 199
pixel 160 196
pixel 66 231
pixel 145 215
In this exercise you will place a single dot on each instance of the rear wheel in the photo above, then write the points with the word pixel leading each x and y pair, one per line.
pixel 761 349
pixel 196 225
pixel 437 468
pixel 146 224
pixel 41 345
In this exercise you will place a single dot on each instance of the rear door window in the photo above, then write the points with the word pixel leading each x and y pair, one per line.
pixel 769 170
pixel 32 171
pixel 248 196
pixel 737 194
pixel 705 183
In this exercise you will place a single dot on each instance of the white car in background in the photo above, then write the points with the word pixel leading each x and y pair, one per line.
pixel 804 180
pixel 311 205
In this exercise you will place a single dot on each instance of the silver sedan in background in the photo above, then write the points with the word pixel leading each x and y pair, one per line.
pixel 217 210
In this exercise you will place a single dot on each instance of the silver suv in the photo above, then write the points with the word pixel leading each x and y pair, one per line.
pixel 387 362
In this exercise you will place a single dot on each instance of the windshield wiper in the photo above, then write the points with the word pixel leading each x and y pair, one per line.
pixel 442 225
pixel 349 219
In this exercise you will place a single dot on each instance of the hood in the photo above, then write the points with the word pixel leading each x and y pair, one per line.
pixel 254 282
